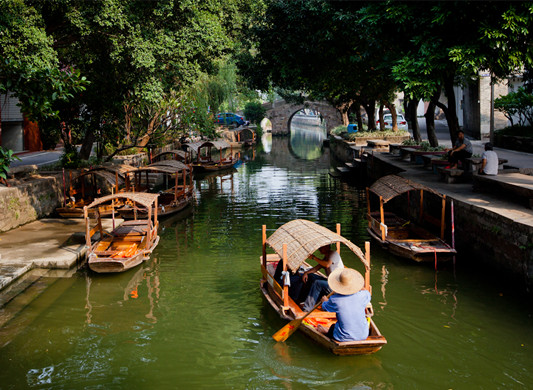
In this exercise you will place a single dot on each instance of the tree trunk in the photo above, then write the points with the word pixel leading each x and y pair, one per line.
pixel 370 108
pixel 359 118
pixel 381 121
pixel 344 109
pixel 412 119
pixel 430 124
pixel 392 109
pixel 450 111
pixel 86 147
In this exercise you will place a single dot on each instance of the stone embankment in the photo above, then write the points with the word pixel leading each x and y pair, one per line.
pixel 491 232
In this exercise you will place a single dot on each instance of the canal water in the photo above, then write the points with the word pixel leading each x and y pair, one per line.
pixel 193 315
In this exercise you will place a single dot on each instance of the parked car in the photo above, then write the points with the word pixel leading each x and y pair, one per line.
pixel 387 121
pixel 229 118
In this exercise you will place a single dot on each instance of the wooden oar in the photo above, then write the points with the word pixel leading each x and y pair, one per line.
pixel 286 332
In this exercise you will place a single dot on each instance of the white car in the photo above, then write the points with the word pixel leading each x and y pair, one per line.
pixel 387 121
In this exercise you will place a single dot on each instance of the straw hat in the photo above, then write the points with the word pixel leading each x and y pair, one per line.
pixel 346 281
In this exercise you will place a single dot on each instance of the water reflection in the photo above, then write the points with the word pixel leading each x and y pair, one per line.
pixel 307 135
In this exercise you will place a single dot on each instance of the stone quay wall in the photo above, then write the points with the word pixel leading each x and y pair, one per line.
pixel 29 201
pixel 489 240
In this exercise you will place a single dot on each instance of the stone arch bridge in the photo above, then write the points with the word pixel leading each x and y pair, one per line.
pixel 280 114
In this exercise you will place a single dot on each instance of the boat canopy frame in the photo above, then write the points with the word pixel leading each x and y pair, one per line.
pixel 296 240
pixel 389 187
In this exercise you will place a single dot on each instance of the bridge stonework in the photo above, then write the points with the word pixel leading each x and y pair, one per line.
pixel 280 114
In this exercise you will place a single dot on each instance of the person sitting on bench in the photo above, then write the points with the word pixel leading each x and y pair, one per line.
pixel 461 151
pixel 489 161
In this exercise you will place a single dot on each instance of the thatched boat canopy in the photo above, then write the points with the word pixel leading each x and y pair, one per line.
pixel 389 187
pixel 206 144
pixel 303 238
pixel 181 154
pixel 143 198
pixel 105 174
pixel 170 164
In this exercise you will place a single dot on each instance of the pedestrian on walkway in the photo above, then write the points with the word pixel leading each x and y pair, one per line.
pixel 461 150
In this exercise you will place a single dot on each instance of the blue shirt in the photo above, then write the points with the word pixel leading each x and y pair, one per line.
pixel 352 324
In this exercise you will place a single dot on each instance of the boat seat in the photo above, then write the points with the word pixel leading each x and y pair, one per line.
pixel 132 228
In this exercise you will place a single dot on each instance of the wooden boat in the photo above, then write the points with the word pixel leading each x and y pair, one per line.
pixel 85 188
pixel 171 200
pixel 400 236
pixel 204 160
pixel 130 243
pixel 293 243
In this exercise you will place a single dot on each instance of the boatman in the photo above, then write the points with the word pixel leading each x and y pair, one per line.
pixel 317 287
pixel 348 302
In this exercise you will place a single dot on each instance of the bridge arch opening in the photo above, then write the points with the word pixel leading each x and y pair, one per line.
pixel 266 125
pixel 307 131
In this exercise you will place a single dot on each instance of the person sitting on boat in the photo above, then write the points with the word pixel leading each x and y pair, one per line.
pixel 317 287
pixel 348 302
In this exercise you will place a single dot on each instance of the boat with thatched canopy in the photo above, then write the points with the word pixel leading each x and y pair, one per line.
pixel 174 154
pixel 293 243
pixel 128 244
pixel 204 156
pixel 89 185
pixel 400 236
pixel 173 198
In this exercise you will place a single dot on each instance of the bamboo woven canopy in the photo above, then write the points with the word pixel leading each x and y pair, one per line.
pixel 176 152
pixel 105 174
pixel 389 187
pixel 143 198
pixel 303 238
pixel 202 144
pixel 176 165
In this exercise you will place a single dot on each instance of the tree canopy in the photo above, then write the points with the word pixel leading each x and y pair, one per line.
pixel 348 52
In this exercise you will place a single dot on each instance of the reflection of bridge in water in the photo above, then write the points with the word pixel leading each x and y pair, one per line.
pixel 282 155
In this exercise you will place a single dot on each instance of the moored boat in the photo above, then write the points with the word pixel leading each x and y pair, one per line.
pixel 89 185
pixel 204 156
pixel 293 243
pixel 173 198
pixel 404 237
pixel 128 244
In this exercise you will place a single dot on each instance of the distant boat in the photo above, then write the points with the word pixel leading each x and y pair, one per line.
pixel 204 157
pixel 293 243
pixel 403 237
pixel 128 244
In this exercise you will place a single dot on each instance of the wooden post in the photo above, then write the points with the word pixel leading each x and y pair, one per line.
pixel 339 233
pixel 368 207
pixel 367 271
pixel 382 218
pixel 442 217
pixel 156 223
pixel 264 237
pixel 285 287
pixel 116 182
pixel 421 205
pixel 99 219
pixel 87 227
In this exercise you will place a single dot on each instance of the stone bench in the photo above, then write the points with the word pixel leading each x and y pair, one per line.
pixel 378 145
pixel 475 163
pixel 450 176
pixel 509 183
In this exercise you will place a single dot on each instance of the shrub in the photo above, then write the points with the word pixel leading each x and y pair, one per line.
pixel 519 103
pixel 254 112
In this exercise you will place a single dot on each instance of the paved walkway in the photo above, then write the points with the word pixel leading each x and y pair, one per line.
pixel 50 243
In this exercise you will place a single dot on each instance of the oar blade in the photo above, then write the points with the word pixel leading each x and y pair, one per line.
pixel 285 332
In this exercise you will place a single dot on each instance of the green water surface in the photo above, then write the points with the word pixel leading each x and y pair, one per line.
pixel 193 317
